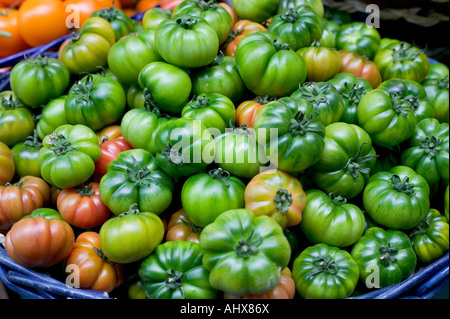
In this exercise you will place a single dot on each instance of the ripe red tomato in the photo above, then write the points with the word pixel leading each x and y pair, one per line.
pixel 82 207
pixel 109 151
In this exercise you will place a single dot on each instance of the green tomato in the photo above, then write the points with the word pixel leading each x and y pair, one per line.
pixel 298 27
pixel 37 81
pixel 135 177
pixel 198 48
pixel 26 156
pixel 427 151
pixel 384 257
pixel 446 201
pixel 403 61
pixel 52 116
pixel 88 50
pixel 325 98
pixel 175 271
pixel 216 16
pixel 268 66
pixel 345 163
pixel 414 93
pixel 95 101
pixel 351 90
pixel 215 111
pixel 131 236
pixel 331 220
pixel 16 119
pixel 328 39
pixel 436 87
pixel 397 198
pixel 387 117
pixel 184 147
pixel 244 253
pixel 239 152
pixel 325 272
pixel 127 66
pixel 205 196
pixel 430 239
pixel 154 16
pixel 221 76
pixel 120 22
pixel 300 135
pixel 162 79
pixel 360 38
pixel 67 158
pixel 317 5
pixel 140 127
pixel 255 10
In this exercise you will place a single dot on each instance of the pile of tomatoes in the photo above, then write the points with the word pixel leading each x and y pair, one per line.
pixel 209 151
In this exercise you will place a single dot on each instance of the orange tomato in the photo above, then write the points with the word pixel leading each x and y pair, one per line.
pixel 276 194
pixel 9 22
pixel 109 150
pixel 284 290
pixel 42 21
pixel 169 4
pixel 361 67
pixel 110 132
pixel 144 5
pixel 7 166
pixel 181 228
pixel 82 207
pixel 109 3
pixel 84 7
pixel 21 199
pixel 96 271
pixel 39 242
pixel 247 111
pixel 12 3
pixel 240 30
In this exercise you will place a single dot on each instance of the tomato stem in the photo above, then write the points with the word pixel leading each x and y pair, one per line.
pixel 400 105
pixel 323 264
pixel 353 94
pixel 283 200
pixel 337 200
pixel 266 99
pixel 33 140
pixel 431 146
pixel 279 46
pixel 186 23
pixel 221 175
pixel 201 101
pixel 173 155
pixel 299 125
pixel 355 165
pixel 248 247
pixel 11 102
pixel 59 144
pixel 175 281
pixel 195 228
pixel 290 16
pixel 311 92
pixel 443 83
pixel 5 34
pixel 86 190
pixel 388 253
pixel 403 186
pixel 421 228
pixel 404 51
pixel 83 88
pixel 133 210
pixel 207 5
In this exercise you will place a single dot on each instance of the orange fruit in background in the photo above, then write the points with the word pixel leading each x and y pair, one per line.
pixel 9 22
pixel 42 21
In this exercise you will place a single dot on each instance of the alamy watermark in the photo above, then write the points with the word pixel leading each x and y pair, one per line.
pixel 373 19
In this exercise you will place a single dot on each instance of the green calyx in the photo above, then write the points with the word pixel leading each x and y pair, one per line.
pixel 323 264
pixel 283 200
pixel 299 125
pixel 431 146
pixel 221 175
pixel 133 210
pixel 175 281
pixel 311 92
pixel 219 58
pixel 109 14
pixel 186 22
pixel 400 105
pixel 173 155
pixel 337 200
pixel 280 46
pixel 41 61
pixel 413 101
pixel 387 254
pixel 33 140
pixel 263 100
pixel 421 228
pixel 137 174
pixel 353 94
pixel 86 190
pixel 11 102
pixel 59 144
pixel 248 247
pixel 195 228
pixel 404 52
pixel 201 101
pixel 83 89
pixel 103 256
pixel 290 16
pixel 150 103
pixel 402 186
pixel 355 165
pixel 207 5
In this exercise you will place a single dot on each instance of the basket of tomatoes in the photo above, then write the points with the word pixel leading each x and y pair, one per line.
pixel 201 150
